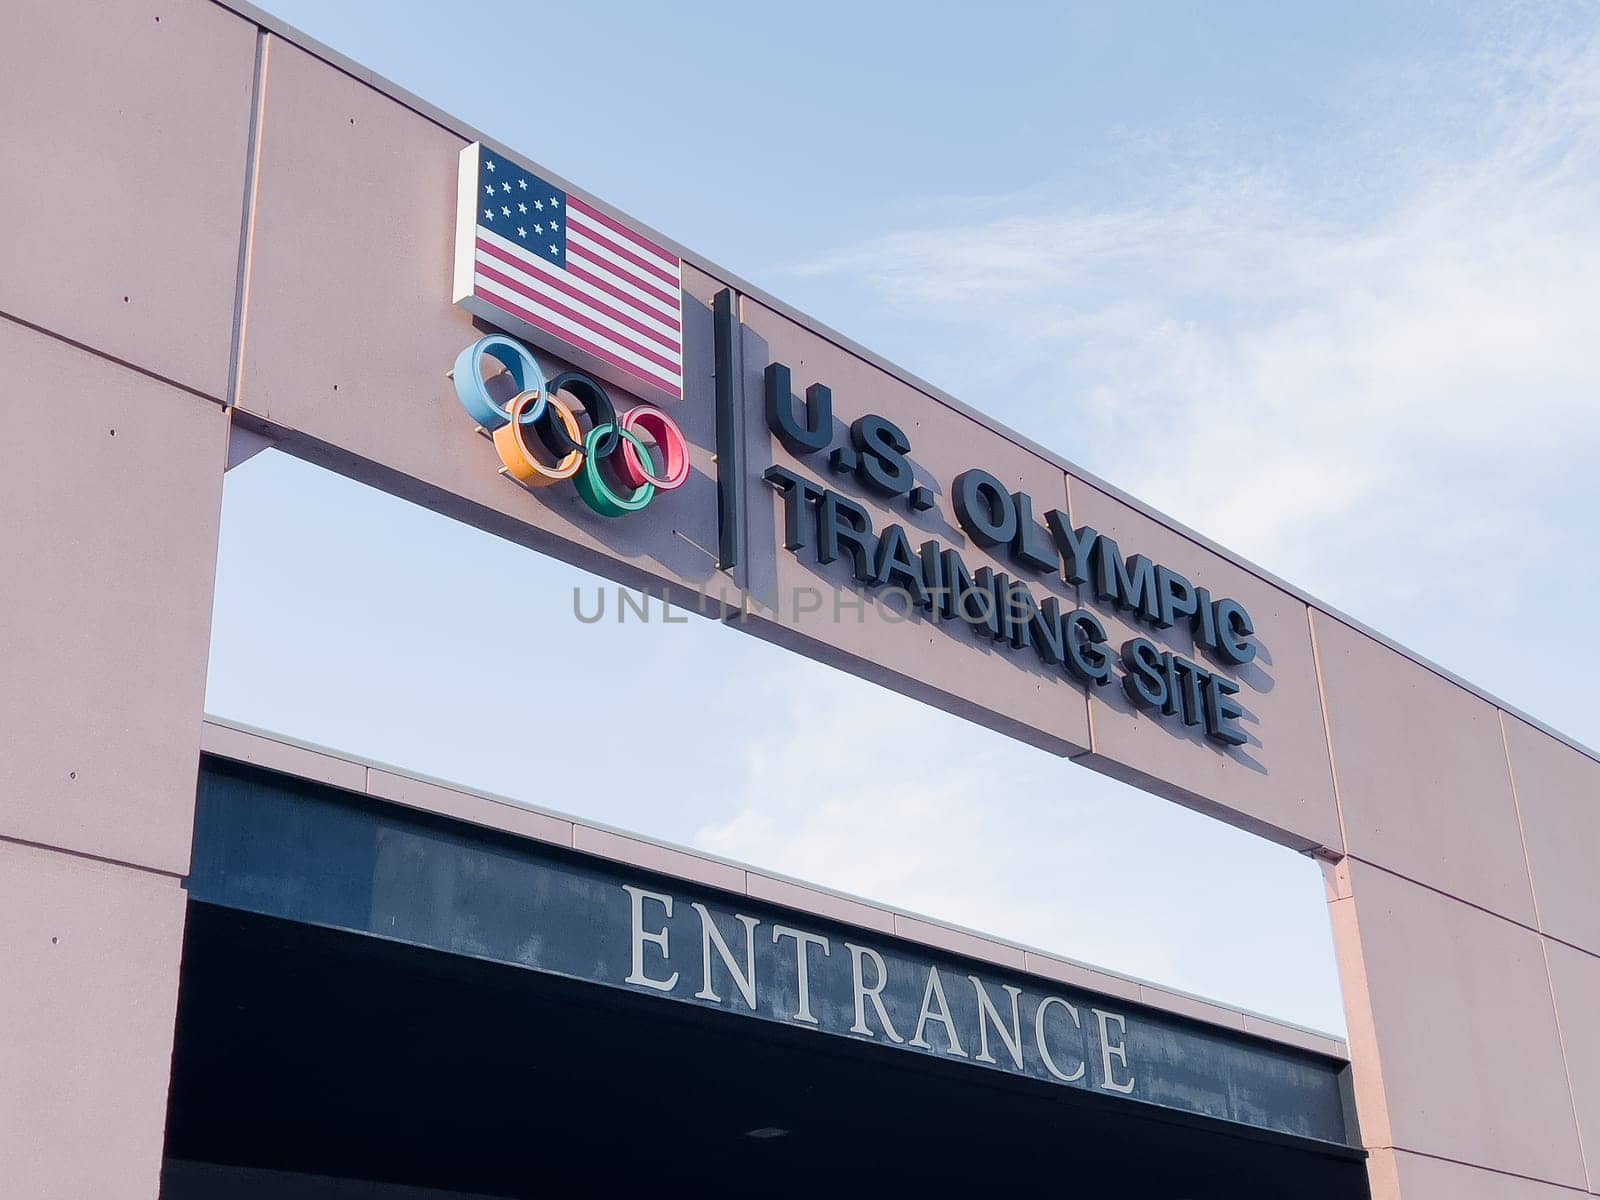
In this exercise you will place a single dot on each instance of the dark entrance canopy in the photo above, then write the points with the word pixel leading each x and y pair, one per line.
pixel 314 1051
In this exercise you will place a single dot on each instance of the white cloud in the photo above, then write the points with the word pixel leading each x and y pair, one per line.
pixel 854 788
pixel 1282 365
pixel 875 795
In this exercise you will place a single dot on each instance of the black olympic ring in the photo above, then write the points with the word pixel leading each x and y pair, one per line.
pixel 597 407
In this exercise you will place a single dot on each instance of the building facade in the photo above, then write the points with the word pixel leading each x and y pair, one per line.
pixel 223 307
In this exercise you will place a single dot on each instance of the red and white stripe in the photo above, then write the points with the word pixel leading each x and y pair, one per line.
pixel 619 299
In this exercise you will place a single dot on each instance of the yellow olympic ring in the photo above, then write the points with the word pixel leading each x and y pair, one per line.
pixel 510 441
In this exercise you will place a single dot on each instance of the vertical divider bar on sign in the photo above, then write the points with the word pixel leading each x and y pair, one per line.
pixel 725 318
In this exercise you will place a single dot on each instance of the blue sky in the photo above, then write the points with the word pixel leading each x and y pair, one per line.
pixel 1319 281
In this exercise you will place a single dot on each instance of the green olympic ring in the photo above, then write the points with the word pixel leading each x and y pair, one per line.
pixel 592 484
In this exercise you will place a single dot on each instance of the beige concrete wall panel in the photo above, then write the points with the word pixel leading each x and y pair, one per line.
pixel 1465 1030
pixel 112 504
pixel 87 1002
pixel 1575 978
pixel 349 332
pixel 1279 783
pixel 1397 1175
pixel 126 132
pixel 1558 796
pixel 944 664
pixel 1421 770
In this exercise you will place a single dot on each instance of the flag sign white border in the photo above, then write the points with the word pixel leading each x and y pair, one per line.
pixel 465 296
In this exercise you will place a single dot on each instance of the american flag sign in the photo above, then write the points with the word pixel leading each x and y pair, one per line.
pixel 558 272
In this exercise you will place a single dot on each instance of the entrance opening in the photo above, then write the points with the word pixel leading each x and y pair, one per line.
pixel 319 1063
pixel 348 618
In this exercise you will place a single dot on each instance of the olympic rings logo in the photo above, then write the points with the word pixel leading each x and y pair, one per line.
pixel 540 442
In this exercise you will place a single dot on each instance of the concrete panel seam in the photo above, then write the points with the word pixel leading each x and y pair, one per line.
pixel 1088 698
pixel 1586 951
pixel 453 125
pixel 1516 807
pixel 432 113
pixel 1092 748
pixel 1472 1166
pixel 55 335
pixel 1589 1174
pixel 142 868
pixel 247 215
pixel 1439 891
pixel 1327 728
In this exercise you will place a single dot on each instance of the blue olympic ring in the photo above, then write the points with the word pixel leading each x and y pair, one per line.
pixel 474 395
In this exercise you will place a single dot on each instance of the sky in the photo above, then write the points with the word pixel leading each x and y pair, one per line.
pixel 1318 281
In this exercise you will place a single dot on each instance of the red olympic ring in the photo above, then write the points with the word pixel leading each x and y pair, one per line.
pixel 634 469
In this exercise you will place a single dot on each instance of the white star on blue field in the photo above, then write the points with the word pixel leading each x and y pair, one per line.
pixel 510 196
